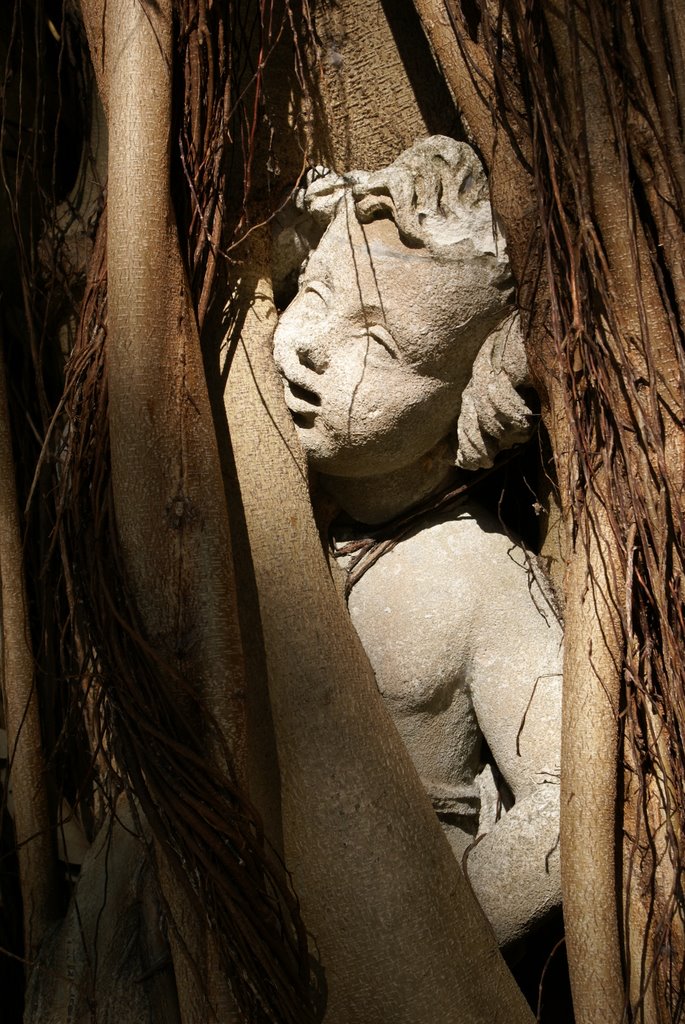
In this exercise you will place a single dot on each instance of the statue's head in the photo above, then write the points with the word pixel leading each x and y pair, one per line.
pixel 406 286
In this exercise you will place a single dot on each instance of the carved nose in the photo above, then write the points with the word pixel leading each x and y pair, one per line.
pixel 312 353
pixel 298 343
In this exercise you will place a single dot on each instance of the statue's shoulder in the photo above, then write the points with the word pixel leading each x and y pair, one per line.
pixel 460 558
pixel 414 608
pixel 441 557
pixel 453 591
pixel 461 538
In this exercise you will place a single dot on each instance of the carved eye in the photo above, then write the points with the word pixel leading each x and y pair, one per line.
pixel 319 289
pixel 384 338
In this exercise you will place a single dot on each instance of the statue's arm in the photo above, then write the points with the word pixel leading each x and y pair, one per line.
pixel 516 690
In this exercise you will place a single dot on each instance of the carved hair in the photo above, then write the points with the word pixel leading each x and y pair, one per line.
pixel 437 195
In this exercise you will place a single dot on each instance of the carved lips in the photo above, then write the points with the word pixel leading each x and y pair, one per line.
pixel 302 402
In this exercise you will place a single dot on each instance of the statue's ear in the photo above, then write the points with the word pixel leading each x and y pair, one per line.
pixel 495 413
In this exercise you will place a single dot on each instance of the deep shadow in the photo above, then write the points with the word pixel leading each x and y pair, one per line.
pixel 540 968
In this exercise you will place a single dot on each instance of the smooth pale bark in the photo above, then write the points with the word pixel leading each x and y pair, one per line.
pixel 170 508
pixel 589 751
pixel 397 928
pixel 27 778
pixel 168 490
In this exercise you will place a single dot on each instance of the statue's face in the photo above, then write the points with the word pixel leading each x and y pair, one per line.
pixel 377 346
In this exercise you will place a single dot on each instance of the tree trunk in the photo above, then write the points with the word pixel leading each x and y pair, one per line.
pixel 27 775
pixel 170 510
pixel 374 85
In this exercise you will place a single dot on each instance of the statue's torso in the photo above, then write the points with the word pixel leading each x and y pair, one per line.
pixel 437 616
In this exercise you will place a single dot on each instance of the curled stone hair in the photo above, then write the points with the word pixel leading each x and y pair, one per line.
pixel 437 195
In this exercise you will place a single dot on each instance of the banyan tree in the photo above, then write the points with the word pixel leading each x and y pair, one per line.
pixel 207 813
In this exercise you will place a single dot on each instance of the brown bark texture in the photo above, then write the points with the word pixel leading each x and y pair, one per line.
pixel 170 516
pixel 373 86
pixel 578 112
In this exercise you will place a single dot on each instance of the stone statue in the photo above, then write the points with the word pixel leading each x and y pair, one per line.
pixel 401 359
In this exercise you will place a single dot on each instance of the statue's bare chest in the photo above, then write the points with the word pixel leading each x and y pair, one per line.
pixel 413 612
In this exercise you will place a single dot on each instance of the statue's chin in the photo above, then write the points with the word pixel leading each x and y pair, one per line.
pixel 326 458
pixel 367 461
pixel 375 498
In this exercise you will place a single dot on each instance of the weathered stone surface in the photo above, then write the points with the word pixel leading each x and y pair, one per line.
pixel 407 307
pixel 401 356
pixel 465 649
